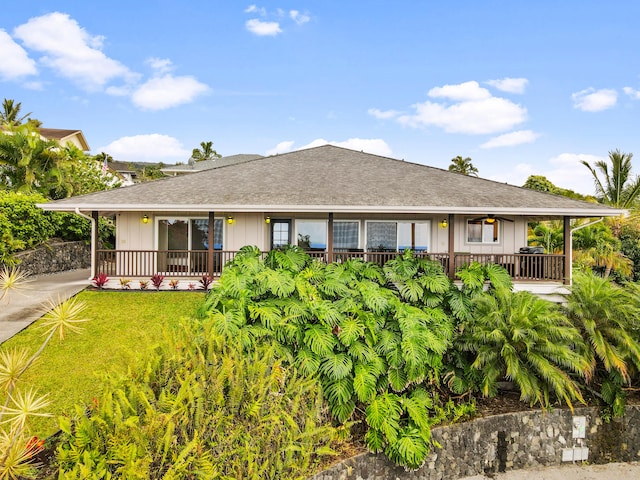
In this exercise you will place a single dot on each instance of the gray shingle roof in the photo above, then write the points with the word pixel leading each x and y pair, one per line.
pixel 330 178
pixel 209 164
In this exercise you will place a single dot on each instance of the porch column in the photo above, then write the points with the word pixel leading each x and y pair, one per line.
pixel 94 243
pixel 452 257
pixel 568 250
pixel 330 239
pixel 413 236
pixel 210 243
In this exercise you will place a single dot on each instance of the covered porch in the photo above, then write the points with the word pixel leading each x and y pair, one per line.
pixel 193 264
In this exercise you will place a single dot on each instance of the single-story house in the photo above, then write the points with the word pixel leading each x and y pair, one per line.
pixel 194 167
pixel 336 203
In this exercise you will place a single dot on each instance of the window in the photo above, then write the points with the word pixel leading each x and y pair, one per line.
pixel 483 231
pixel 398 236
pixel 280 233
pixel 312 234
pixel 200 234
pixel 346 235
pixel 188 234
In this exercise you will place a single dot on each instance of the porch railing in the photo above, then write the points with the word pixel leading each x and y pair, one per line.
pixel 194 263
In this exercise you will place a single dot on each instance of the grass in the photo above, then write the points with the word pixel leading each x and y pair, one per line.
pixel 121 325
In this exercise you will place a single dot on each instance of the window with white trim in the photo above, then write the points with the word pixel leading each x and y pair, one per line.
pixel 398 236
pixel 484 231
pixel 346 235
pixel 311 234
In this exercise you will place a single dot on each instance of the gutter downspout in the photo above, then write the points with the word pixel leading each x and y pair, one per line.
pixel 93 236
pixel 571 241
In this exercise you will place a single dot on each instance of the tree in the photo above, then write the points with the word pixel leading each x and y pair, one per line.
pixel 27 162
pixel 548 235
pixel 525 339
pixel 205 153
pixel 541 183
pixel 463 165
pixel 616 187
pixel 606 316
pixel 10 114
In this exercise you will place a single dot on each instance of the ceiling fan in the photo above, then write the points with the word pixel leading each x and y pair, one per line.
pixel 491 219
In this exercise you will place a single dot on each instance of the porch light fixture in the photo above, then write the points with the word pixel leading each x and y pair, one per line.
pixel 490 220
pixel 230 220
pixel 444 223
pixel 145 219
pixel 267 220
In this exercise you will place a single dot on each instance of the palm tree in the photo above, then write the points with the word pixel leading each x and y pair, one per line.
pixel 206 152
pixel 606 315
pixel 10 114
pixel 29 163
pixel 525 339
pixel 616 187
pixel 463 165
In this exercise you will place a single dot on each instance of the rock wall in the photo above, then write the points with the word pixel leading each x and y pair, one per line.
pixel 55 257
pixel 507 442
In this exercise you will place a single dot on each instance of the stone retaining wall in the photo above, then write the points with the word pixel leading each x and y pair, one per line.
pixel 506 442
pixel 55 257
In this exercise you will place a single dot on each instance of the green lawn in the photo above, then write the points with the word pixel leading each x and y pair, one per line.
pixel 121 325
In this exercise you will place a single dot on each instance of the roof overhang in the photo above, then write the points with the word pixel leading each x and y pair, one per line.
pixel 369 209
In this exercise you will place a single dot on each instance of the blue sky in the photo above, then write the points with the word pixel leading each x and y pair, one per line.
pixel 523 88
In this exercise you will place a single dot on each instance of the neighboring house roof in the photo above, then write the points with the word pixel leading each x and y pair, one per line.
pixel 121 167
pixel 209 164
pixel 332 179
pixel 63 136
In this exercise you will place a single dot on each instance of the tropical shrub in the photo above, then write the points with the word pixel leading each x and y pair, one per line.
pixel 199 407
pixel 29 226
pixel 373 338
pixel 527 340
pixel 608 317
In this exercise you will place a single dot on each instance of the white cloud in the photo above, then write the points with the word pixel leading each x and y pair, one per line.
pixel 260 28
pixel 633 93
pixel 473 111
pixel 282 147
pixel 461 92
pixel 377 146
pixel 511 139
pixel 255 9
pixel 299 18
pixel 592 100
pixel 152 147
pixel 15 62
pixel 71 51
pixel 510 85
pixel 160 65
pixel 164 92
pixel 383 114
pixel 564 171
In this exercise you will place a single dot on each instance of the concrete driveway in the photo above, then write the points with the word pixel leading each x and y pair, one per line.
pixel 23 307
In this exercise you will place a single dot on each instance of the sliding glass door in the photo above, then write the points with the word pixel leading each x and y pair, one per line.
pixel 184 243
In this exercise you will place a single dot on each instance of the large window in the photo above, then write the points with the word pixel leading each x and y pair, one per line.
pixel 483 231
pixel 312 234
pixel 346 235
pixel 398 236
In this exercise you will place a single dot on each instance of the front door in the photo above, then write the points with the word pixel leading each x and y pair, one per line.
pixel 280 233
